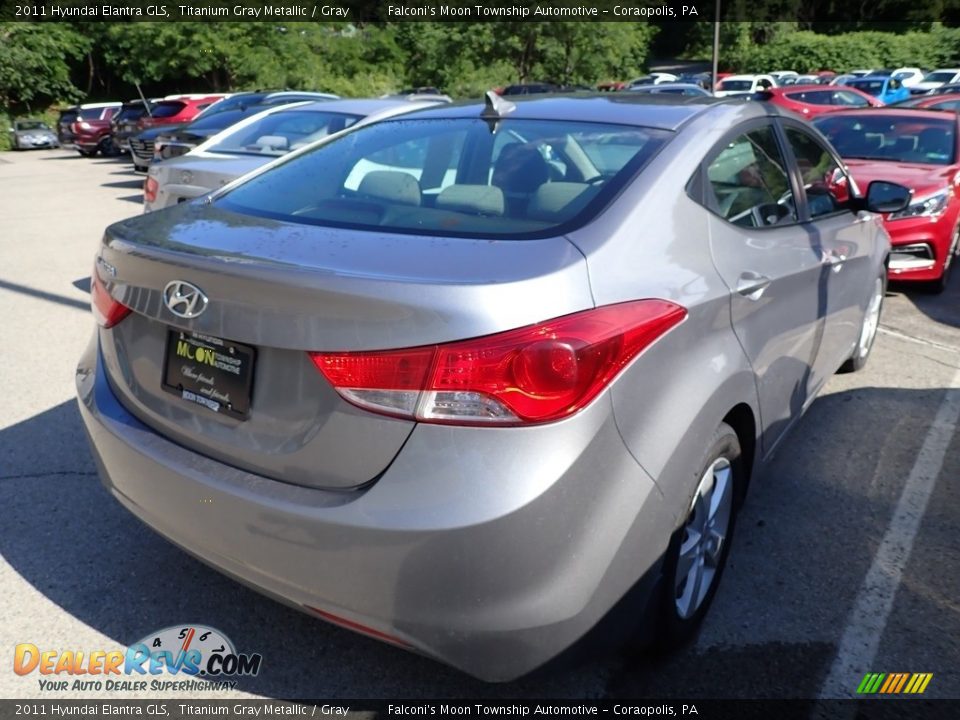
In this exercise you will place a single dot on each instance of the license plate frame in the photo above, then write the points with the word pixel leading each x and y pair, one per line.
pixel 196 368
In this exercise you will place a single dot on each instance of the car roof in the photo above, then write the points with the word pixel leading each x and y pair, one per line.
pixel 807 87
pixel 653 110
pixel 664 86
pixel 358 106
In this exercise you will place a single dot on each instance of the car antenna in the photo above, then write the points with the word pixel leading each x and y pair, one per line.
pixel 144 98
pixel 495 107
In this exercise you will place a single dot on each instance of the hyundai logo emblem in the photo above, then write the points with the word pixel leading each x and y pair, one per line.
pixel 184 299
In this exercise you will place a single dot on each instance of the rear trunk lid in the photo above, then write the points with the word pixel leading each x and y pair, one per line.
pixel 277 290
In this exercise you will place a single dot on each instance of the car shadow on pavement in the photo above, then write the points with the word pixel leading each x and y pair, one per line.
pixel 771 633
pixel 128 184
pixel 72 541
pixel 943 308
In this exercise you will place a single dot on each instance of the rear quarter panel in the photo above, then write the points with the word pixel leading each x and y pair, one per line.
pixel 653 242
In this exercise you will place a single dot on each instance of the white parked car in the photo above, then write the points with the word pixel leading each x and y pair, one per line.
pixel 744 85
pixel 654 78
pixel 779 75
pixel 908 76
pixel 933 81
pixel 863 72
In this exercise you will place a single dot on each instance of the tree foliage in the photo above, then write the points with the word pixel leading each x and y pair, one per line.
pixel 63 61
pixel 36 62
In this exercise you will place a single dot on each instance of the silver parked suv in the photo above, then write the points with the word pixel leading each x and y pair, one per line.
pixel 466 379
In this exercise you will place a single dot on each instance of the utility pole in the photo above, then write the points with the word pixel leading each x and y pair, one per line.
pixel 716 46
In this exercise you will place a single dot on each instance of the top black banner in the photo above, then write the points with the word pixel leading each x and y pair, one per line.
pixel 875 13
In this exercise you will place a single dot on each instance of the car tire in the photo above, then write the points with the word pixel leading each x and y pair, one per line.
pixel 940 284
pixel 698 550
pixel 107 147
pixel 87 153
pixel 868 327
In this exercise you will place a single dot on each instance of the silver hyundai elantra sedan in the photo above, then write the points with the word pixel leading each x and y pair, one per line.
pixel 480 379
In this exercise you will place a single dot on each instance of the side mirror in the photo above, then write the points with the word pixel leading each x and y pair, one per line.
pixel 887 197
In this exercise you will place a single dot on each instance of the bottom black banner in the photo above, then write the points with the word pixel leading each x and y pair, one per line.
pixel 886 709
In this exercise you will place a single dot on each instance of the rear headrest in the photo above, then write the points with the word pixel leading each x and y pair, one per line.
pixel 391 185
pixel 520 168
pixel 558 198
pixel 273 142
pixel 481 199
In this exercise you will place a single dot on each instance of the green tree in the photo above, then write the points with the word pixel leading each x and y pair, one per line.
pixel 35 64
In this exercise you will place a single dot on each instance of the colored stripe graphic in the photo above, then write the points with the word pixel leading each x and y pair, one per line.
pixel 894 683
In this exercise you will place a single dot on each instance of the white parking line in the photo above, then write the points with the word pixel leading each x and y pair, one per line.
pixel 866 624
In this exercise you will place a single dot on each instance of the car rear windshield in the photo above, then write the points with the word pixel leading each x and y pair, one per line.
pixel 92 113
pixel 941 77
pixel 281 132
pixel 224 119
pixel 871 87
pixel 461 177
pixel 885 136
pixel 131 112
pixel 736 85
pixel 167 109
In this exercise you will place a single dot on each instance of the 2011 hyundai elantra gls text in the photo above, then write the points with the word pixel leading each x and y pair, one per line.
pixel 474 379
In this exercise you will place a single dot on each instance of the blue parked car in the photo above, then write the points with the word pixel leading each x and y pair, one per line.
pixel 886 89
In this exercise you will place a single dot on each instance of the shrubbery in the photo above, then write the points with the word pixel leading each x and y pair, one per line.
pixel 808 51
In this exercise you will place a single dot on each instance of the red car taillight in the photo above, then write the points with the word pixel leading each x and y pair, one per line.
pixel 150 187
pixel 106 310
pixel 535 374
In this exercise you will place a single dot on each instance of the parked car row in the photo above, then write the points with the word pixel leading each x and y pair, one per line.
pixel 507 367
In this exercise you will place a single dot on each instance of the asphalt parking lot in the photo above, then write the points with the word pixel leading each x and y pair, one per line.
pixel 845 562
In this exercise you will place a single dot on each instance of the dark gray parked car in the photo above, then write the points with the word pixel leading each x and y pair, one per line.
pixel 471 379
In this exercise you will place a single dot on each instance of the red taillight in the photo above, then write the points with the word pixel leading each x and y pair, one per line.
pixel 106 310
pixel 150 187
pixel 534 374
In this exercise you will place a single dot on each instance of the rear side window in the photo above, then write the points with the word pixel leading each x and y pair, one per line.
pixel 813 97
pixel 167 109
pixel 849 99
pixel 461 177
pixel 748 184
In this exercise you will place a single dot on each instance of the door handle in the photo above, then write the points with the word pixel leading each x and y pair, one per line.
pixel 751 285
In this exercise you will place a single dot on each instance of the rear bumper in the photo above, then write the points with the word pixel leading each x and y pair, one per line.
pixel 493 550
pixel 175 193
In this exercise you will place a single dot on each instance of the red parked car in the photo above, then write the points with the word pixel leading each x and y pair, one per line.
pixel 813 100
pixel 921 150
pixel 177 111
pixel 90 130
pixel 932 102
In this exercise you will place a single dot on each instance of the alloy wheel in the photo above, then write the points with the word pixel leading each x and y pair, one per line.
pixel 704 537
